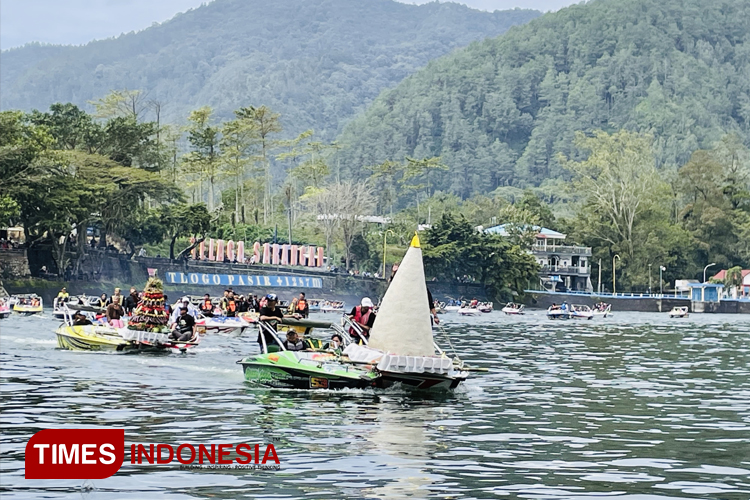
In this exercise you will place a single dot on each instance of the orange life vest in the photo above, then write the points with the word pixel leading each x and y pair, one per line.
pixel 301 305
pixel 207 305
pixel 231 305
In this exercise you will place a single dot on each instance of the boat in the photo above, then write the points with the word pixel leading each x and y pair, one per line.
pixel 602 309
pixel 332 306
pixel 580 311
pixel 452 306
pixel 558 312
pixel 28 304
pixel 58 306
pixel 469 311
pixel 485 307
pixel 513 308
pixel 401 344
pixel 221 324
pixel 679 312
pixel 278 367
pixel 401 349
pixel 99 337
pixel 4 309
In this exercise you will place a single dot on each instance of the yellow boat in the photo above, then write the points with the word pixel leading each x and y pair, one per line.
pixel 106 338
pixel 27 304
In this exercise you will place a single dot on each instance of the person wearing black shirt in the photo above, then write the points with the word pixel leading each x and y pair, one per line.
pixel 433 311
pixel 272 315
pixel 184 328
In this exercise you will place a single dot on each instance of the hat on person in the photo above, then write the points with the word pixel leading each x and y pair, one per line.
pixel 184 299
pixel 366 302
pixel 271 296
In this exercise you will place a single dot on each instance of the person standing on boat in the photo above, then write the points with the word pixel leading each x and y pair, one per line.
pixel 364 316
pixel 229 305
pixel 302 308
pixel 115 314
pixel 184 328
pixel 270 314
pixel 116 298
pixel 207 307
pixel 131 301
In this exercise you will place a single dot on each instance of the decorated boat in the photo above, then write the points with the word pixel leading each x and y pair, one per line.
pixel 27 304
pixel 679 312
pixel 401 349
pixel 146 331
pixel 513 308
pixel 580 311
pixel 4 309
pixel 602 309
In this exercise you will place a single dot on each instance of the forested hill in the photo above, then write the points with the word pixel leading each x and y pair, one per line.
pixel 317 62
pixel 500 110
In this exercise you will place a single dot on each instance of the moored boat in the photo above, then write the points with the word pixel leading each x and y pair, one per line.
pixel 513 308
pixel 679 312
pixel 28 304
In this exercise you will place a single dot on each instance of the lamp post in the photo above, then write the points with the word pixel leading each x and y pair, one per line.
pixel 649 279
pixel 661 282
pixel 705 268
pixel 614 280
pixel 385 239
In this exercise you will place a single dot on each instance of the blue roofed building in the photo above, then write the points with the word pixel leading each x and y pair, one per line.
pixel 562 267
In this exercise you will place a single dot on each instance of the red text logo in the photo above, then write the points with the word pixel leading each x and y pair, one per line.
pixel 74 453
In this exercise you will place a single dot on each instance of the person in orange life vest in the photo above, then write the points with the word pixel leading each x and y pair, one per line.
pixel 302 308
pixel 364 316
pixel 207 307
pixel 230 305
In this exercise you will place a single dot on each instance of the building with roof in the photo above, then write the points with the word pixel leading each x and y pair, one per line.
pixel 562 267
pixel 743 290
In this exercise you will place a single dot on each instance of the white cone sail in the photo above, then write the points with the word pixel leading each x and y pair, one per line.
pixel 402 325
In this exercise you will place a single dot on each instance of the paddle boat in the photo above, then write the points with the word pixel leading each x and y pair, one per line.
pixel 4 309
pixel 602 309
pixel 102 337
pixel 27 304
pixel 679 312
pixel 580 311
pixel 513 308
pixel 400 349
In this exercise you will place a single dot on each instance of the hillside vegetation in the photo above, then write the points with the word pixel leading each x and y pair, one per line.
pixel 499 112
pixel 316 62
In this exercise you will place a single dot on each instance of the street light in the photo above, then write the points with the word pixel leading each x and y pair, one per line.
pixel 649 279
pixel 704 270
pixel 614 282
pixel 385 239
pixel 661 282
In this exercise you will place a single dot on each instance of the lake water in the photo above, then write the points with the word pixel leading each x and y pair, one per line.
pixel 635 406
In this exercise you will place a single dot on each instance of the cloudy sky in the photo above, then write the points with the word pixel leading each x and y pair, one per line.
pixel 80 21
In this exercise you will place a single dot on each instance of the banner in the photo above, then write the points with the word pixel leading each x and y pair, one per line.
pixel 243 280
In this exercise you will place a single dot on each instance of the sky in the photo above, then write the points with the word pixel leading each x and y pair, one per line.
pixel 80 21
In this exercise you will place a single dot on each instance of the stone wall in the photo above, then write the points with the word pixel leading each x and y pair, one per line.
pixel 14 264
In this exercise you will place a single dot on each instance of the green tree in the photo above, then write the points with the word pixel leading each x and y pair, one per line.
pixel 204 159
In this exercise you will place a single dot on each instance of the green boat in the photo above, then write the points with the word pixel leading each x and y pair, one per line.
pixel 310 369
